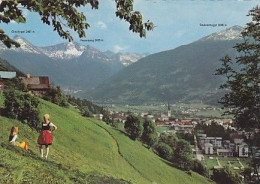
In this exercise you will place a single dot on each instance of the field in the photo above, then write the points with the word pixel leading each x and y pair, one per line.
pixel 84 150
pixel 161 129
pixel 226 161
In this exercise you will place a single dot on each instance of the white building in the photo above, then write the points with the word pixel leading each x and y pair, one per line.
pixel 225 152
pixel 163 117
pixel 202 135
pixel 183 128
pixel 98 116
pixel 169 111
pixel 216 141
pixel 208 148
pixel 243 150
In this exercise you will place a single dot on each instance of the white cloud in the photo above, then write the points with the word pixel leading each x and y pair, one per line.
pixel 101 25
pixel 118 48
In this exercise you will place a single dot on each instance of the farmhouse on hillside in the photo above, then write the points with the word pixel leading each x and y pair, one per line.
pixel 36 85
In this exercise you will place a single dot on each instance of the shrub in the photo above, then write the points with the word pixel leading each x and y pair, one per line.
pixel 198 167
pixel 55 95
pixel 226 176
pixel 22 106
pixel 164 150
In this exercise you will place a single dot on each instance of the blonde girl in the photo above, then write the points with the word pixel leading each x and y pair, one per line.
pixel 45 138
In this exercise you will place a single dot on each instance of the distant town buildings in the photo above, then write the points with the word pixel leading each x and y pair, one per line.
pixel 235 146
pixel 183 126
pixel 162 117
pixel 98 116
pixel 215 141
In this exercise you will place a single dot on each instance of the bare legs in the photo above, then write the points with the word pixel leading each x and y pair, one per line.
pixel 41 150
pixel 47 151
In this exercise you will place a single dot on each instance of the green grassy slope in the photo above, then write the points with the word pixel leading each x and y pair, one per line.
pixel 84 150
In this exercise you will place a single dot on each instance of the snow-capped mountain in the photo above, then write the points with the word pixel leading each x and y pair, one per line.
pixel 72 51
pixel 231 33
pixel 130 58
pixel 65 51
pixel 71 65
pixel 25 46
pixel 125 58
pixel 91 52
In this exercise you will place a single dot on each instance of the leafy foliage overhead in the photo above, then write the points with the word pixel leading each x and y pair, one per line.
pixel 64 16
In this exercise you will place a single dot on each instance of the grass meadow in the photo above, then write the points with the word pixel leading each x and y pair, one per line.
pixel 84 150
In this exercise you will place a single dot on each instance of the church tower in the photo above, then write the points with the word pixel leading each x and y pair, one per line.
pixel 169 110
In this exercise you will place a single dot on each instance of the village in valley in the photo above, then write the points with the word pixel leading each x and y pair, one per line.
pixel 214 151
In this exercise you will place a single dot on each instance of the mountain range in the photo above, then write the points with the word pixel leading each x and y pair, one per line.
pixel 183 74
pixel 73 66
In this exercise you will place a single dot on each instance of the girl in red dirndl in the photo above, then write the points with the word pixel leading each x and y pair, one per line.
pixel 45 138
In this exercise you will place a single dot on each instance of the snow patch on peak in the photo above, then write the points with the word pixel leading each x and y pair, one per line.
pixel 25 46
pixel 130 58
pixel 72 51
pixel 231 33
pixel 65 51
pixel 93 53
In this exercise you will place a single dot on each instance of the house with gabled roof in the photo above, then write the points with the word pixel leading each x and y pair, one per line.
pixel 36 85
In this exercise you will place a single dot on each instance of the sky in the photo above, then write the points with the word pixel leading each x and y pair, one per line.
pixel 177 22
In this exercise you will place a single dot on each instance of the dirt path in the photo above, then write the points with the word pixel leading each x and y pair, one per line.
pixel 242 166
pixel 218 162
